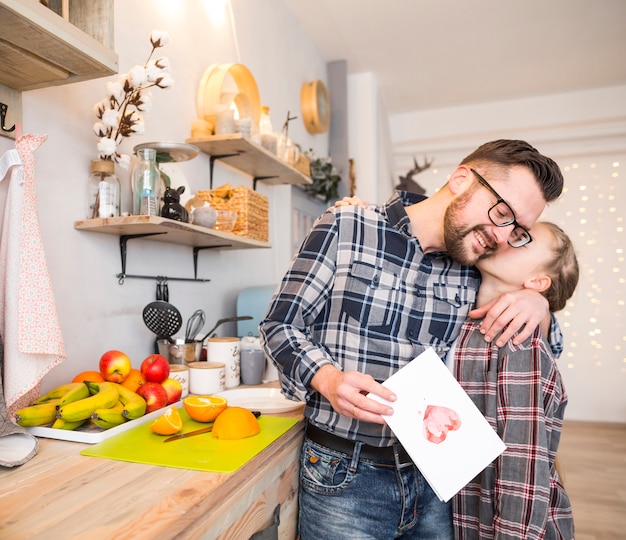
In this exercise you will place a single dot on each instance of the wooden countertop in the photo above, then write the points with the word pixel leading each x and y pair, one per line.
pixel 61 494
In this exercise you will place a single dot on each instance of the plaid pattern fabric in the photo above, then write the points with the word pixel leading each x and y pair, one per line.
pixel 361 295
pixel 520 392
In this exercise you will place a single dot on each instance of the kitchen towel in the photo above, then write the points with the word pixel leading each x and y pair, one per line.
pixel 29 323
pixel 17 446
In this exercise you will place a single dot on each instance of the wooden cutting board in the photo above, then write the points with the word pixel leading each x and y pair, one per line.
pixel 201 452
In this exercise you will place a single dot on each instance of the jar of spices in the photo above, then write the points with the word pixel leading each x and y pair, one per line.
pixel 103 190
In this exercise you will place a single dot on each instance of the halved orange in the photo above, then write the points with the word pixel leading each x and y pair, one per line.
pixel 235 423
pixel 168 423
pixel 204 408
pixel 88 376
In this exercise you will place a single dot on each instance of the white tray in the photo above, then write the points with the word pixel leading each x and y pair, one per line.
pixel 91 434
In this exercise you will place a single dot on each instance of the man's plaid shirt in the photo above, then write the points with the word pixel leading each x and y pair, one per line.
pixel 361 295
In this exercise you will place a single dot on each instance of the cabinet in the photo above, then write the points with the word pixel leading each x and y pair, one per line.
pixel 39 48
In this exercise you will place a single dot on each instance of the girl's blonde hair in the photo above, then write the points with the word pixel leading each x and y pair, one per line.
pixel 562 269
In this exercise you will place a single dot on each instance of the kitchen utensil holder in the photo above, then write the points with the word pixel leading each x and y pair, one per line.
pixel 122 276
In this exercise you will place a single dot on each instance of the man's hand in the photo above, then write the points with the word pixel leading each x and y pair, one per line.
pixel 351 201
pixel 524 308
pixel 346 393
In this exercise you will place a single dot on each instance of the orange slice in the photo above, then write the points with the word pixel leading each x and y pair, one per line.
pixel 204 408
pixel 168 423
pixel 235 423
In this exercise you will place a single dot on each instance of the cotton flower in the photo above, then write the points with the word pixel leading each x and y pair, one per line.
pixel 106 147
pixel 165 81
pixel 119 113
pixel 110 118
pixel 144 103
pixel 115 91
pixel 137 77
pixel 158 38
pixel 99 129
pixel 123 160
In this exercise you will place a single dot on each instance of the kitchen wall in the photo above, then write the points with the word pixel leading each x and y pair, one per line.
pixel 97 313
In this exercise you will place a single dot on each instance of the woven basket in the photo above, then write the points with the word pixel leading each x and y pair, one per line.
pixel 252 209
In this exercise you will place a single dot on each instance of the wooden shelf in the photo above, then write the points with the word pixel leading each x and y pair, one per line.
pixel 38 48
pixel 169 230
pixel 250 158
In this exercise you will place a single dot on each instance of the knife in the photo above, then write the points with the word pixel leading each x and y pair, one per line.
pixel 189 434
pixel 198 431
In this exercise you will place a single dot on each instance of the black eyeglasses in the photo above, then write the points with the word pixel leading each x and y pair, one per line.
pixel 501 215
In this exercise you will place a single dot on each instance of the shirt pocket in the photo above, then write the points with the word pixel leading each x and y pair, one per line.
pixel 451 304
pixel 371 294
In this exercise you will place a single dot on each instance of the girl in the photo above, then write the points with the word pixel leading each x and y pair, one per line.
pixel 520 392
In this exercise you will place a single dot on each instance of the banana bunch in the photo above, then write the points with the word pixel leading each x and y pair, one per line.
pixel 129 406
pixel 109 417
pixel 69 406
pixel 103 396
pixel 44 409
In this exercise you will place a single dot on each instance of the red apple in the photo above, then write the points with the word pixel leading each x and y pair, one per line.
pixel 174 390
pixel 115 366
pixel 155 368
pixel 154 394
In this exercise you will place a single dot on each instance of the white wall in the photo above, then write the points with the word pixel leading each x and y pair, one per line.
pixel 96 313
pixel 585 132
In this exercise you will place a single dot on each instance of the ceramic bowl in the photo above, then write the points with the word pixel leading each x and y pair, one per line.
pixel 204 216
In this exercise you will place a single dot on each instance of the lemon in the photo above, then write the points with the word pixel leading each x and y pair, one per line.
pixel 235 423
pixel 168 423
pixel 204 408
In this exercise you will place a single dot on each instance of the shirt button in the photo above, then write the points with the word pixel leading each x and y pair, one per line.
pixel 375 280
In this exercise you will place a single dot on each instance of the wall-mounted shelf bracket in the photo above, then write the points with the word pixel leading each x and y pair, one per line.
pixel 123 253
pixel 212 160
pixel 260 179
pixel 196 250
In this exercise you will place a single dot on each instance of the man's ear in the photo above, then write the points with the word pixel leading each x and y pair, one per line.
pixel 460 180
pixel 538 283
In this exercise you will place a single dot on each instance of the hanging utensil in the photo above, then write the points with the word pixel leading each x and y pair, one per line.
pixel 163 319
pixel 194 325
pixel 222 321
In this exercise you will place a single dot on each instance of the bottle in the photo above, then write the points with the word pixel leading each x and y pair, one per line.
pixel 268 138
pixel 103 190
pixel 265 124
pixel 146 182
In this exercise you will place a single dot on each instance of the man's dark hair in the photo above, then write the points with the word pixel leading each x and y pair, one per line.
pixel 508 152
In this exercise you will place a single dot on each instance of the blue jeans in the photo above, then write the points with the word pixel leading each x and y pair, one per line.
pixel 343 496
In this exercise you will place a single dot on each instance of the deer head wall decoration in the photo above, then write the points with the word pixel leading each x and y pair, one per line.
pixel 408 184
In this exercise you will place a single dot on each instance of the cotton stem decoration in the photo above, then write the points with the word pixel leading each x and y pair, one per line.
pixel 120 113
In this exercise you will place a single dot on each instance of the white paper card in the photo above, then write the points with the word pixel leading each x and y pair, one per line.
pixel 444 433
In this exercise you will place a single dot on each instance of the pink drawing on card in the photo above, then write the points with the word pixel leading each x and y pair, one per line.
pixel 438 421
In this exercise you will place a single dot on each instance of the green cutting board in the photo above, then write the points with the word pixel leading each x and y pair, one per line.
pixel 200 452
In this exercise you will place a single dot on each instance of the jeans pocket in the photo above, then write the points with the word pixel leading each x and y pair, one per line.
pixel 324 471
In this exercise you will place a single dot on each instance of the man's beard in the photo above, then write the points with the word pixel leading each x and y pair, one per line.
pixel 455 233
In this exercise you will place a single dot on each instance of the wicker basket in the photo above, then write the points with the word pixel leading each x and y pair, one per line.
pixel 252 209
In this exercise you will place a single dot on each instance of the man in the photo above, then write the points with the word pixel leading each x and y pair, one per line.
pixel 370 290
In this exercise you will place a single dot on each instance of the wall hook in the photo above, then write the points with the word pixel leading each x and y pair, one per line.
pixel 3 115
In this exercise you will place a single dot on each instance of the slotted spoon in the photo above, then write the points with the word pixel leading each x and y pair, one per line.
pixel 163 319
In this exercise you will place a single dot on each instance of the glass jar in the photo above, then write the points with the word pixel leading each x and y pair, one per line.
pixel 146 184
pixel 103 190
